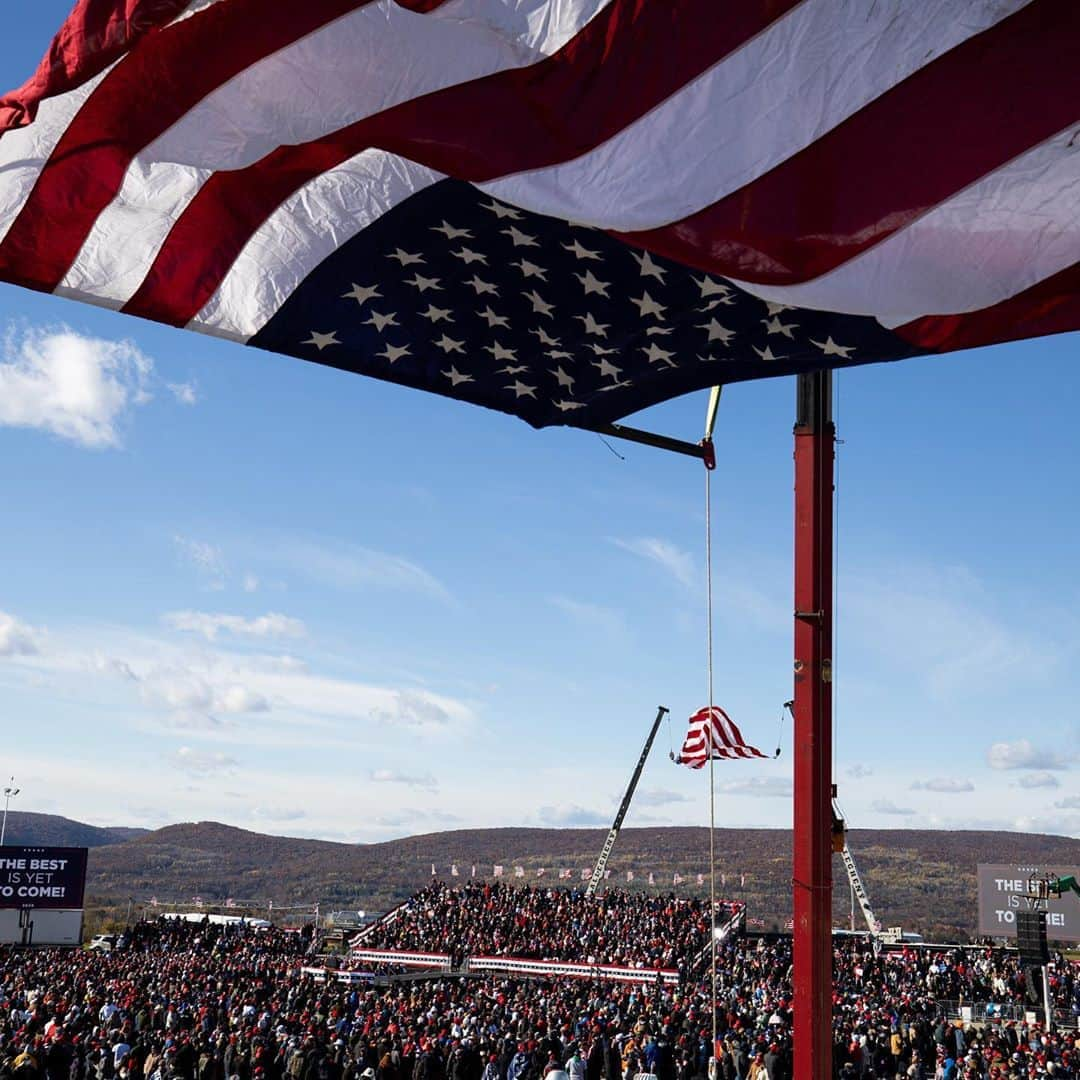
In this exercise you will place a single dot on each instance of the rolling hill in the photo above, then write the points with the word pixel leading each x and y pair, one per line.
pixel 55 831
pixel 917 878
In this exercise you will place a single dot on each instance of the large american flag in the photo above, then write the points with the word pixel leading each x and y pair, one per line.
pixel 562 209
pixel 712 733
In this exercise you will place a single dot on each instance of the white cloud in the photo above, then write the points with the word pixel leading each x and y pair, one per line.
pixel 250 583
pixel 949 626
pixel 570 815
pixel 351 567
pixel 201 762
pixel 680 564
pixel 283 664
pixel 412 709
pixel 205 558
pixel 148 814
pixel 17 638
pixel 1023 755
pixel 955 822
pixel 658 797
pixel 591 616
pixel 389 776
pixel 887 806
pixel 409 816
pixel 239 699
pixel 858 771
pixel 182 690
pixel 1070 802
pixel 763 787
pixel 76 387
pixel 1066 824
pixel 185 393
pixel 278 813
pixel 271 625
pixel 946 785
pixel 1038 780
pixel 111 665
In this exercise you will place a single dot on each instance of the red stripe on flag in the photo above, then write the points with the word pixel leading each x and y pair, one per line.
pixel 134 104
pixel 1050 307
pixel 526 118
pixel 929 137
pixel 723 730
pixel 743 747
pixel 94 35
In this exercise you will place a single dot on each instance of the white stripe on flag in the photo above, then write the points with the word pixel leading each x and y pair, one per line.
pixel 1012 229
pixel 24 150
pixel 356 66
pixel 752 110
pixel 306 229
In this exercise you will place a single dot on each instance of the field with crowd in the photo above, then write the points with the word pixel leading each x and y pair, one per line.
pixel 195 1001
pixel 501 919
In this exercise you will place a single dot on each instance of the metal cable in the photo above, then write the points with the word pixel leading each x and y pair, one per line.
pixel 712 786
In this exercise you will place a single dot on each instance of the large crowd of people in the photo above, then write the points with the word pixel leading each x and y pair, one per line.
pixel 499 919
pixel 191 1001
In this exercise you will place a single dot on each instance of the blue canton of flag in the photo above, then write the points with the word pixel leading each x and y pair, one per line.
pixel 459 294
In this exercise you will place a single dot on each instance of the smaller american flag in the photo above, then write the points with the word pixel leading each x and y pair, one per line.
pixel 519 871
pixel 541 872
pixel 498 871
pixel 712 733
pixel 564 874
pixel 585 874
pixel 677 878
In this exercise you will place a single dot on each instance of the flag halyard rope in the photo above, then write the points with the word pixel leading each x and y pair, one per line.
pixel 712 787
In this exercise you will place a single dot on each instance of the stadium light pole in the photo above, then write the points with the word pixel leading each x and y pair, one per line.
pixel 812 832
pixel 9 793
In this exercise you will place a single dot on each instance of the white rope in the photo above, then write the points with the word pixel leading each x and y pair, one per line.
pixel 836 565
pixel 712 787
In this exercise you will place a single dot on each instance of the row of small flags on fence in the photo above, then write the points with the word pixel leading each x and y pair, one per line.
pixel 585 874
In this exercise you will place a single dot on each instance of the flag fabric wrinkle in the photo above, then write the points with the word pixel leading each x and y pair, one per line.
pixel 712 733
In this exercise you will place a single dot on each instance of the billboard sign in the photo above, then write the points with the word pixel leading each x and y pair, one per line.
pixel 1003 892
pixel 42 877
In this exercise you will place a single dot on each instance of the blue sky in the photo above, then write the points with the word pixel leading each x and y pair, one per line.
pixel 243 588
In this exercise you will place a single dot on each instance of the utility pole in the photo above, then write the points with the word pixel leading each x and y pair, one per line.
pixel 9 793
pixel 812 862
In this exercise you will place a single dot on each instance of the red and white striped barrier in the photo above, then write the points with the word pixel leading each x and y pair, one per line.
pixel 403 959
pixel 513 965
pixel 320 975
pixel 516 965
